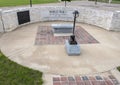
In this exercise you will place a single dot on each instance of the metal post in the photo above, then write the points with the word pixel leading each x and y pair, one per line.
pixel 65 3
pixel 74 23
pixel 72 37
pixel 30 3
pixel 76 14
pixel 95 2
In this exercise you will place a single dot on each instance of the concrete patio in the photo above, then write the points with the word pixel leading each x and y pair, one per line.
pixel 100 55
pixel 19 46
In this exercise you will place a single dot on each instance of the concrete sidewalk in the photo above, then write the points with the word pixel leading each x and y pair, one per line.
pixel 89 4
pixel 95 58
pixel 19 46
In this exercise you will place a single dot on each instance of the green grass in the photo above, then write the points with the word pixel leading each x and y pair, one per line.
pixel 12 73
pixel 118 68
pixel 23 2
pixel 116 1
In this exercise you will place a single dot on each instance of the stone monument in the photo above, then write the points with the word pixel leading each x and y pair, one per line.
pixel 71 45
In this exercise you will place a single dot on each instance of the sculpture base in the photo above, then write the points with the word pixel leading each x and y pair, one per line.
pixel 72 49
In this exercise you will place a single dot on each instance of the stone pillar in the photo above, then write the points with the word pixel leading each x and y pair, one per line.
pixel 1 23
pixel 115 23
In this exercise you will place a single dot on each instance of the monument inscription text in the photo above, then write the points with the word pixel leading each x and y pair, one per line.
pixel 57 15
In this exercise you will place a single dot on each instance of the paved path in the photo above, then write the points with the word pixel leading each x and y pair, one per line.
pixel 89 4
pixel 105 78
pixel 19 46
pixel 85 80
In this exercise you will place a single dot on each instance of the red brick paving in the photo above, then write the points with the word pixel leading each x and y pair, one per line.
pixel 56 79
pixel 64 79
pixel 78 78
pixel 45 36
pixel 85 80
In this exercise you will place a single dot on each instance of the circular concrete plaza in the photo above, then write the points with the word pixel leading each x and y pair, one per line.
pixel 100 49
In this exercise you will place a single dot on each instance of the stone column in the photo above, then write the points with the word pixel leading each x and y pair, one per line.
pixel 1 23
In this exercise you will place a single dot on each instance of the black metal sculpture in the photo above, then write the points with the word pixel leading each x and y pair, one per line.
pixel 72 39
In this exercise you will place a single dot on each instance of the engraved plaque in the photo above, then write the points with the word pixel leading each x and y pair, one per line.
pixel 23 17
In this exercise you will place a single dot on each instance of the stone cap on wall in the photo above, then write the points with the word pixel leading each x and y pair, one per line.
pixel 102 18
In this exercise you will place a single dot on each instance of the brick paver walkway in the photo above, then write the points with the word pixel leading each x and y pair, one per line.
pixel 45 36
pixel 85 80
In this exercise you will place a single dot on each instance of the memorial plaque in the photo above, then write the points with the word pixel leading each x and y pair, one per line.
pixel 23 17
pixel 57 14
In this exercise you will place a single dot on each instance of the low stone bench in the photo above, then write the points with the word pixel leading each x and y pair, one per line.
pixel 62 28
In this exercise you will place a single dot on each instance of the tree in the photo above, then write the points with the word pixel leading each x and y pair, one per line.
pixel 66 1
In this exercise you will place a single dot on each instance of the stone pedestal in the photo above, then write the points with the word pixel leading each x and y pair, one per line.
pixel 72 49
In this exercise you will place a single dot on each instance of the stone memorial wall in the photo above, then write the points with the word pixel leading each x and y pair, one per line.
pixel 56 13
pixel 102 18
pixel 115 24
pixel 1 25
pixel 10 19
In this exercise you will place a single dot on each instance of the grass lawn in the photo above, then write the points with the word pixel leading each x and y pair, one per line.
pixel 116 1
pixel 13 74
pixel 23 2
pixel 118 68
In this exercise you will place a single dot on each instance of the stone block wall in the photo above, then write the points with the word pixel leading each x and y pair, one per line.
pixel 115 24
pixel 102 18
pixel 56 13
pixel 10 18
pixel 1 24
pixel 95 17
pixel 35 14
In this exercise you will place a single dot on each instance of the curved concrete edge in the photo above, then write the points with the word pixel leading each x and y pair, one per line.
pixel 116 73
pixel 108 20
